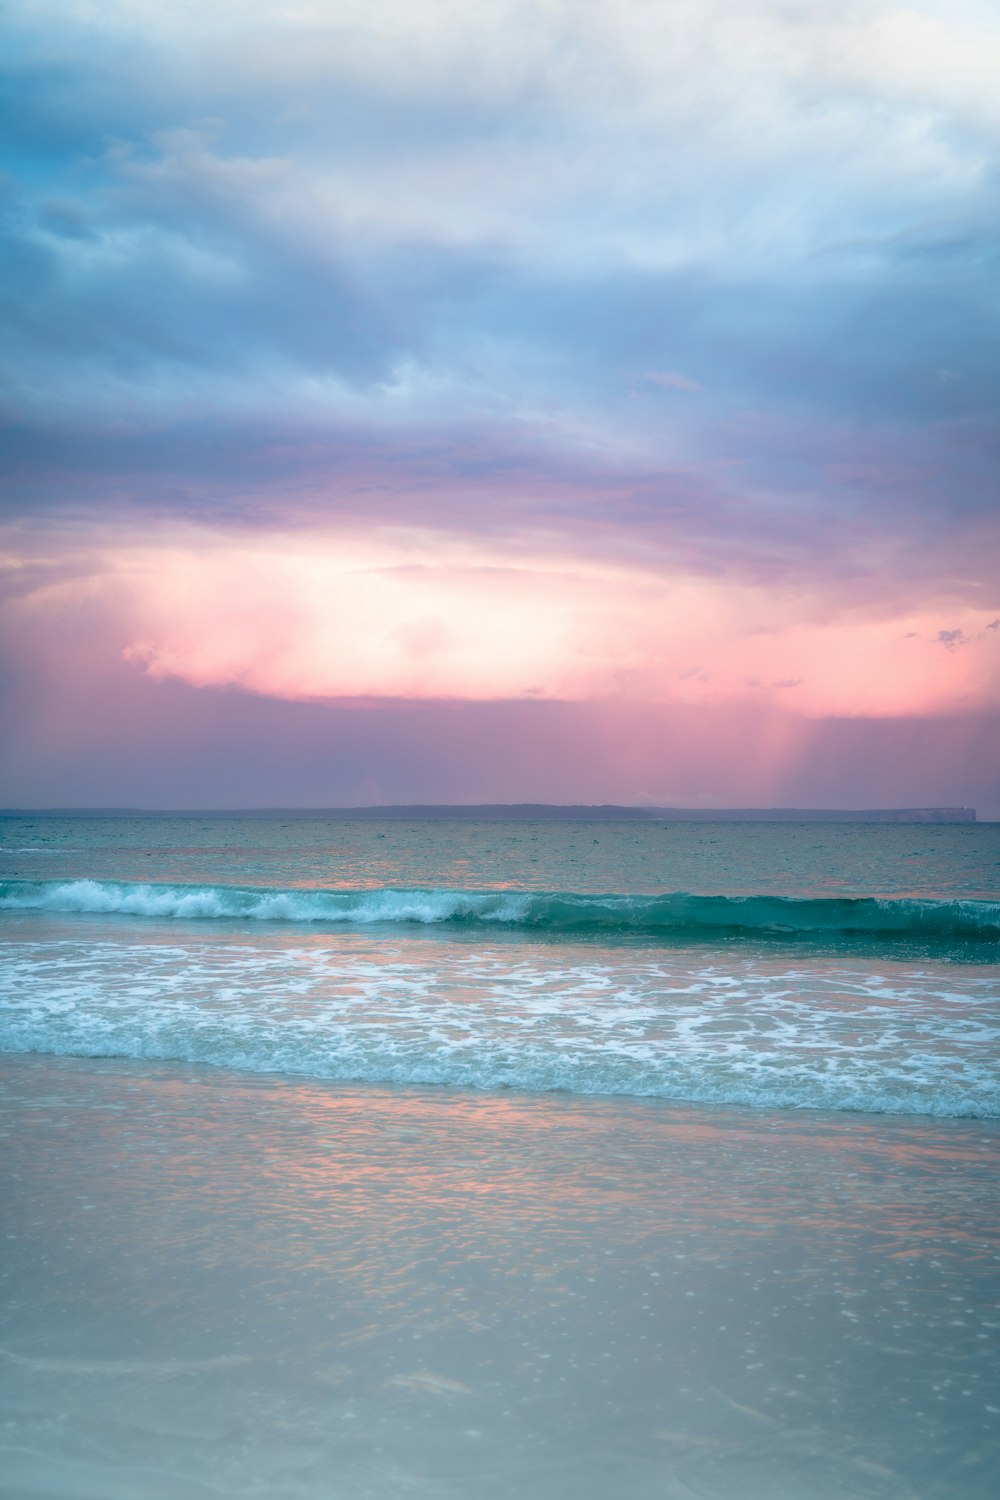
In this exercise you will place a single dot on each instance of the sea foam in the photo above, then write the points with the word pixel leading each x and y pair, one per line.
pixel 733 1026
pixel 676 914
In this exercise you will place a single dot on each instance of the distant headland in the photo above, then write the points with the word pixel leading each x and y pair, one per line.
pixel 609 812
pixel 530 812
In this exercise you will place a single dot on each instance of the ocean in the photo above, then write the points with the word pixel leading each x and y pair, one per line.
pixel 428 1158
pixel 846 967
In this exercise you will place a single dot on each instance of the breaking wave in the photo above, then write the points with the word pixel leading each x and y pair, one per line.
pixel 672 917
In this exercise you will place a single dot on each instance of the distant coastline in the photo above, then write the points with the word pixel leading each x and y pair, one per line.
pixel 529 812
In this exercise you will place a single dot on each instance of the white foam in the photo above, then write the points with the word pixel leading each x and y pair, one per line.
pixel 743 1029
pixel 95 897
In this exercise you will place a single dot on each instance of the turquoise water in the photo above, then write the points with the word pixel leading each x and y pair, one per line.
pixel 843 966
pixel 936 861
pixel 241 1260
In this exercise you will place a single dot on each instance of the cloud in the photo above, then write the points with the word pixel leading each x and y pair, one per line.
pixel 405 249
pixel 673 380
pixel 413 613
pixel 112 737
pixel 341 317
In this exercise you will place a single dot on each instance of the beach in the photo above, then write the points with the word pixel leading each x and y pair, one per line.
pixel 219 1283
pixel 427 1160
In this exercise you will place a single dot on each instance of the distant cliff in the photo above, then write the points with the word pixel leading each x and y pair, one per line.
pixel 529 812
pixel 550 812
pixel 815 815
pixel 608 812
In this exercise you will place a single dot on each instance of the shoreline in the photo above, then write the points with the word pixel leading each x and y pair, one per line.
pixel 764 1115
pixel 223 1280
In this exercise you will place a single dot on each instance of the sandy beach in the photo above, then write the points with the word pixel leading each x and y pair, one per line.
pixel 222 1284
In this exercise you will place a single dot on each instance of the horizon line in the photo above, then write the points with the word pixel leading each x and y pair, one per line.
pixel 606 810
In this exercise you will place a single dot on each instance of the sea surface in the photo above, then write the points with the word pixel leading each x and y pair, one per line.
pixel 417 1161
pixel 843 967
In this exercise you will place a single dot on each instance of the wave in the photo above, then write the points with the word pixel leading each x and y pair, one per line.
pixel 773 1029
pixel 674 916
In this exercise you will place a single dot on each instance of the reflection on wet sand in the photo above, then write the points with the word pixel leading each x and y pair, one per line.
pixel 245 1285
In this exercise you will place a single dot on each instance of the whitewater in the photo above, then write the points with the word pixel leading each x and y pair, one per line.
pixel 679 913
pixel 848 968
pixel 417 1159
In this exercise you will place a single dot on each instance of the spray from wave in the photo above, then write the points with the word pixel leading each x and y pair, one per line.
pixel 667 917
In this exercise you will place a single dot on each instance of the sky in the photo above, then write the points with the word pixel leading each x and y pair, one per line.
pixel 520 400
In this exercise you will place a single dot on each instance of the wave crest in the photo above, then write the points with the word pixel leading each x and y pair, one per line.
pixel 673 915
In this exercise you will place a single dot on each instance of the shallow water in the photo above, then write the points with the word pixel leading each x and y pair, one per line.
pixel 806 966
pixel 760 1025
pixel 250 1286
pixel 499 1160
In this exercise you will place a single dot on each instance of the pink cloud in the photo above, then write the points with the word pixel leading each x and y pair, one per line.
pixel 86 727
pixel 394 614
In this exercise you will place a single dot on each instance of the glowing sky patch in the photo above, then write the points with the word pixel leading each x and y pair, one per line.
pixel 627 358
pixel 425 617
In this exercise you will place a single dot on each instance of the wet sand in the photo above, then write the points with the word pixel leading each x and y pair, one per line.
pixel 224 1284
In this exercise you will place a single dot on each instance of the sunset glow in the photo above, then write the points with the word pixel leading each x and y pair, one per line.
pixel 427 619
pixel 637 362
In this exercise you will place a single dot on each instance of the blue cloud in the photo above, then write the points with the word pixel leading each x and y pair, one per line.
pixel 236 256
